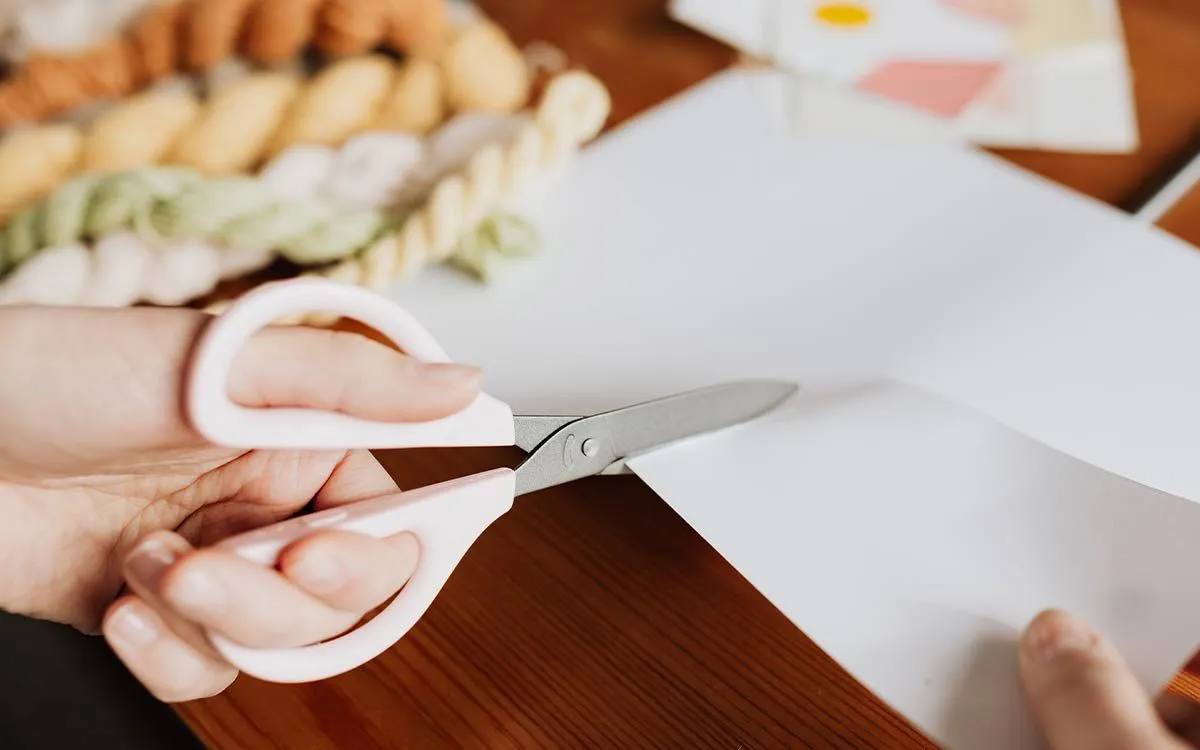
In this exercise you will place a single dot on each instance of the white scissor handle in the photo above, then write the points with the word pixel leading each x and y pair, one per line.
pixel 486 421
pixel 446 519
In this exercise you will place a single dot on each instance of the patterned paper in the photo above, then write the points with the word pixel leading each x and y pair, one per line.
pixel 1033 73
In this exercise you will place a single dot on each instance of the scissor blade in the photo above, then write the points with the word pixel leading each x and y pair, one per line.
pixel 591 445
pixel 639 428
pixel 531 431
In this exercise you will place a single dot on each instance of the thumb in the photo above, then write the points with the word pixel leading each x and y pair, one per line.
pixel 1083 695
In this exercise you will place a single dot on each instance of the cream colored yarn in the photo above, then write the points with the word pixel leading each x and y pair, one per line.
pixel 242 124
pixel 124 268
pixel 136 263
pixel 33 161
pixel 484 71
pixel 573 110
pixel 246 121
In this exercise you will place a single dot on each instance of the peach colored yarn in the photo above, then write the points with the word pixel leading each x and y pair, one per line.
pixel 197 34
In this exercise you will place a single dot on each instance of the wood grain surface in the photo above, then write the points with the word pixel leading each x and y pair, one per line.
pixel 592 616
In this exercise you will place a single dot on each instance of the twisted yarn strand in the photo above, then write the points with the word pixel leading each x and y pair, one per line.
pixel 448 226
pixel 235 129
pixel 125 268
pixel 189 232
pixel 197 34
pixel 572 111
pixel 240 212
pixel 260 115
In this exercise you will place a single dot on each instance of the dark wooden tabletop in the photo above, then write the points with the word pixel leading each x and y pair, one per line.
pixel 592 615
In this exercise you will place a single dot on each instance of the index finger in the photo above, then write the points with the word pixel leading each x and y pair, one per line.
pixel 346 372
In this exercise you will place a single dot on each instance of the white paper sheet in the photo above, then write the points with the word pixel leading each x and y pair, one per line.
pixel 911 539
pixel 907 533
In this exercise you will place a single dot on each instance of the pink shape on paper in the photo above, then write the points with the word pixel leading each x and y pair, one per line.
pixel 942 88
pixel 999 96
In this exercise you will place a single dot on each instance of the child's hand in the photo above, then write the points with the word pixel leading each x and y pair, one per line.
pixel 102 478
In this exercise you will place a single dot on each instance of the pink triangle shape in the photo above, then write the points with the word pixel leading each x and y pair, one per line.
pixel 942 88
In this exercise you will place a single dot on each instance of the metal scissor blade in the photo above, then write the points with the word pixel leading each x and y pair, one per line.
pixel 638 428
pixel 532 430
pixel 600 444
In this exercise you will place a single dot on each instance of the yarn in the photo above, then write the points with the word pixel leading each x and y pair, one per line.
pixel 497 235
pixel 64 27
pixel 197 34
pixel 416 103
pixel 33 161
pixel 452 146
pixel 293 195
pixel 124 269
pixel 573 110
pixel 180 204
pixel 121 137
pixel 337 103
pixel 243 122
pixel 233 127
pixel 484 71
pixel 190 232
pixel 500 235
pixel 369 171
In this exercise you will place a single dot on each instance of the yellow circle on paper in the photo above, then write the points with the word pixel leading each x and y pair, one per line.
pixel 847 15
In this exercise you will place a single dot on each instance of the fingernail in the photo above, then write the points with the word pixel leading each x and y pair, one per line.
pixel 451 374
pixel 133 626
pixel 197 591
pixel 318 571
pixel 149 559
pixel 1054 633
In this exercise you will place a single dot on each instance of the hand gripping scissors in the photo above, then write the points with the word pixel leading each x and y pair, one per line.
pixel 448 517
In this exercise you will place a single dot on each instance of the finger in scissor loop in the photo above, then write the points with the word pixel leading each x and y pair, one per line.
pixel 249 604
pixel 350 572
pixel 347 372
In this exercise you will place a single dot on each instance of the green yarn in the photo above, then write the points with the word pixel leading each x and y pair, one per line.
pixel 181 203
pixel 20 238
pixel 60 218
pixel 238 212
pixel 207 207
pixel 324 243
pixel 498 236
pixel 126 200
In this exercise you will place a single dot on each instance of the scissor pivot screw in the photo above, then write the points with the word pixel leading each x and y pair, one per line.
pixel 590 448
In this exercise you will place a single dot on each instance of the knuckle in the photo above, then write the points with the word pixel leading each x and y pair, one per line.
pixel 349 347
pixel 177 577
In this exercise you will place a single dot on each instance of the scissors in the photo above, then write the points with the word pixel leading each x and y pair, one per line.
pixel 448 517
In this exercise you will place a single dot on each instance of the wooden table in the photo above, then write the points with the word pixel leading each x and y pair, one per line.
pixel 592 615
